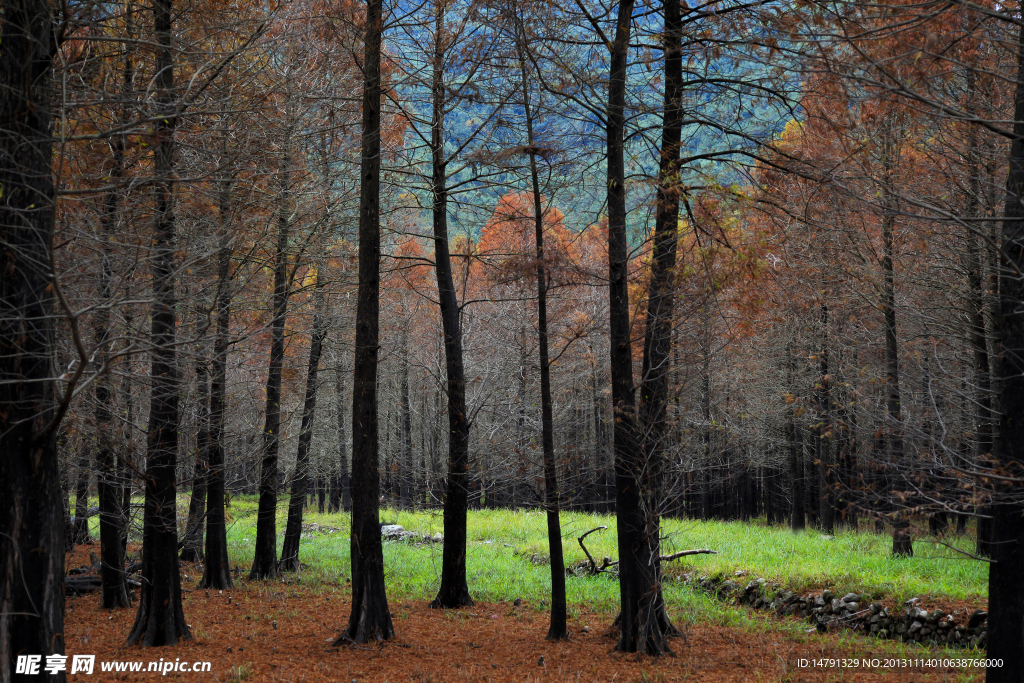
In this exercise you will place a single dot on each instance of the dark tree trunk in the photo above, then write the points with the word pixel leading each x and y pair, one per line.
pixel 651 622
pixel 126 465
pixel 31 524
pixel 217 571
pixel 826 466
pixel 902 543
pixel 370 618
pixel 264 562
pixel 983 414
pixel 293 530
pixel 160 619
pixel 558 628
pixel 454 591
pixel 193 547
pixel 639 630
pixel 1005 590
pixel 407 468
pixel 796 460
pixel 343 470
pixel 108 484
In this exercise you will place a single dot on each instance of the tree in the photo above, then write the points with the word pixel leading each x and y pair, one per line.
pixel 293 532
pixel 160 619
pixel 643 514
pixel 453 591
pixel 370 617
pixel 216 571
pixel 31 524
pixel 264 562
pixel 1006 595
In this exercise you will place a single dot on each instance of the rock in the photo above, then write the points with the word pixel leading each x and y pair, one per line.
pixel 392 531
pixel 915 627
pixel 826 595
pixel 978 617
pixel 883 633
pixel 936 614
pixel 437 537
pixel 850 597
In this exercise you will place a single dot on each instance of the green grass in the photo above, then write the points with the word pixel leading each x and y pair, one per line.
pixel 501 543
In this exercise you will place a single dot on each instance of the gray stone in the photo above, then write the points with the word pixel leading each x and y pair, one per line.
pixel 978 617
pixel 850 597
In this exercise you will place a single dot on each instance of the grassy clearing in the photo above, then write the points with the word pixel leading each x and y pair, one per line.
pixel 501 543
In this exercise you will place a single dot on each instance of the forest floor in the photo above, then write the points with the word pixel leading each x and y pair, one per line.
pixel 282 631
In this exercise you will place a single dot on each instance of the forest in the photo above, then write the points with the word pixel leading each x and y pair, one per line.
pixel 407 316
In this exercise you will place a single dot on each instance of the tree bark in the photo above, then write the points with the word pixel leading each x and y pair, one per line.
pixel 796 469
pixel 902 543
pixel 453 591
pixel 293 530
pixel 342 467
pixel 114 588
pixel 193 548
pixel 31 524
pixel 370 618
pixel 826 466
pixel 558 628
pixel 217 570
pixel 639 630
pixel 651 621
pixel 160 619
pixel 1006 592
pixel 264 563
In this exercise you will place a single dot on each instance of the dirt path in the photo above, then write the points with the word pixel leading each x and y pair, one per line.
pixel 273 631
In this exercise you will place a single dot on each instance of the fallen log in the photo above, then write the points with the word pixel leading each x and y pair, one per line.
pixel 78 585
pixel 608 563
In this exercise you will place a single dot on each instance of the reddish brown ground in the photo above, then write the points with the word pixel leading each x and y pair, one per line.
pixel 489 642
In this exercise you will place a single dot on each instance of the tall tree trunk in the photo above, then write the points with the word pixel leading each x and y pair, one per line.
pixel 160 619
pixel 652 622
pixel 293 530
pixel 796 463
pixel 977 333
pixel 31 525
pixel 217 570
pixel 114 587
pixel 558 628
pixel 264 562
pixel 902 543
pixel 370 618
pixel 826 466
pixel 193 547
pixel 407 468
pixel 343 470
pixel 454 591
pixel 1005 590
pixel 637 632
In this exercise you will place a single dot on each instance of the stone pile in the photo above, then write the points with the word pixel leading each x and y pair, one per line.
pixel 830 610
pixel 395 532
